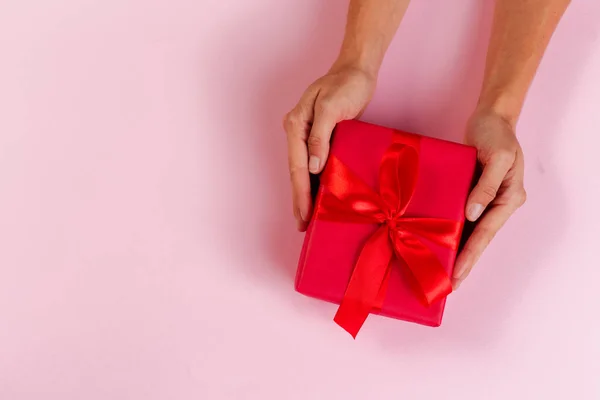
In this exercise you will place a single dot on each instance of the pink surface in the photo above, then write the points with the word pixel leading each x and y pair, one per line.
pixel 147 247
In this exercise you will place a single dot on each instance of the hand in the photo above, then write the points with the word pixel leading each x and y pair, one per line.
pixel 342 94
pixel 499 192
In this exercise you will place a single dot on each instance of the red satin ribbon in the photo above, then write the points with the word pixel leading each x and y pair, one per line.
pixel 348 199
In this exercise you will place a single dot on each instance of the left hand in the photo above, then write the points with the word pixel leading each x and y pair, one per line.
pixel 499 192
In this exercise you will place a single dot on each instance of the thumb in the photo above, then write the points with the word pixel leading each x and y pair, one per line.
pixel 318 141
pixel 487 187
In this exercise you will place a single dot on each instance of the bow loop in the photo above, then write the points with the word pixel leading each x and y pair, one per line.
pixel 348 198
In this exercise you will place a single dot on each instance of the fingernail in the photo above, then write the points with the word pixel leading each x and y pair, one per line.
pixel 474 212
pixel 313 164
pixel 302 216
pixel 459 270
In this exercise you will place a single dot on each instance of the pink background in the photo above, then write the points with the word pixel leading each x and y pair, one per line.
pixel 147 248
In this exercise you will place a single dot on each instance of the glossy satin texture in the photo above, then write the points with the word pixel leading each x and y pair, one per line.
pixel 348 199
pixel 386 195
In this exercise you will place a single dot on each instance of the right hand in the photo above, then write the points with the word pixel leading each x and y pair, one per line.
pixel 342 94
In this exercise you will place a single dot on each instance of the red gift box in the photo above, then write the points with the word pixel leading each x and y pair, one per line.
pixel 387 222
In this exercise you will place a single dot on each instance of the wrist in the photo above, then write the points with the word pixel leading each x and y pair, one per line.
pixel 501 103
pixel 356 60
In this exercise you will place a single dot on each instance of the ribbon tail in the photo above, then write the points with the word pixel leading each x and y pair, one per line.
pixel 431 279
pixel 382 291
pixel 365 283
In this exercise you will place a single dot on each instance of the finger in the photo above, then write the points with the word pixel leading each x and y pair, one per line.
pixel 482 235
pixel 324 122
pixel 486 189
pixel 297 125
pixel 298 167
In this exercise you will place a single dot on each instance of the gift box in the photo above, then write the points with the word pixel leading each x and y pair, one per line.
pixel 387 222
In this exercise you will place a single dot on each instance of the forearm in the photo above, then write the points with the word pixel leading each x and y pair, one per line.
pixel 520 34
pixel 370 27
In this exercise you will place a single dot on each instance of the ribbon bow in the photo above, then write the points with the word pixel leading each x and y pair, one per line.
pixel 346 198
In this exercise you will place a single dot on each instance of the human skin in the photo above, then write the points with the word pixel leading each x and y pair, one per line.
pixel 520 34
